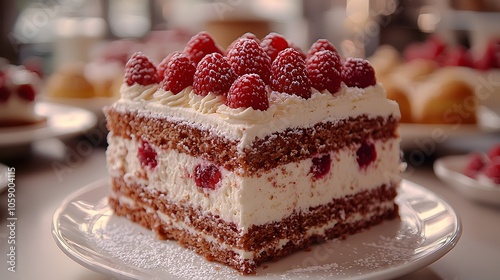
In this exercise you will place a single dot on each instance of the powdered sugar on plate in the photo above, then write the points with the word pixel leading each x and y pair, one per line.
pixel 85 228
pixel 137 247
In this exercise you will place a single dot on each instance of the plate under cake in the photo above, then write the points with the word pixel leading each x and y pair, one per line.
pixel 244 182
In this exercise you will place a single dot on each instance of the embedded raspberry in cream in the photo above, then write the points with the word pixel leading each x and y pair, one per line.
pixel 147 155
pixel 321 166
pixel 366 154
pixel 207 176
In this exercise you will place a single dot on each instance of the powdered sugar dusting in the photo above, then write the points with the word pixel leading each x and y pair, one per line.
pixel 326 267
pixel 138 248
pixel 388 251
pixel 353 257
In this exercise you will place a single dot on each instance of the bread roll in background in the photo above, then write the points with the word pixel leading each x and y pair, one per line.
pixel 400 95
pixel 69 81
pixel 384 60
pixel 102 75
pixel 414 71
pixel 446 97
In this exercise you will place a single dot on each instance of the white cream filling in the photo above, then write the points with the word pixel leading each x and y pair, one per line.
pixel 256 200
pixel 320 230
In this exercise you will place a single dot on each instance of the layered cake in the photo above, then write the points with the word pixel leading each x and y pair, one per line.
pixel 17 96
pixel 246 159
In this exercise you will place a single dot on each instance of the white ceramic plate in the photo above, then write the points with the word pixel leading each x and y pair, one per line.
pixel 488 118
pixel 61 121
pixel 414 135
pixel 449 170
pixel 85 228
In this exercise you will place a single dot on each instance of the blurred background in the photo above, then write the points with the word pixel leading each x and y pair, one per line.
pixel 54 32
pixel 92 40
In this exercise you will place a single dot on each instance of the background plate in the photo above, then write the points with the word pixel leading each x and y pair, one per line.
pixel 94 105
pixel 449 168
pixel 62 121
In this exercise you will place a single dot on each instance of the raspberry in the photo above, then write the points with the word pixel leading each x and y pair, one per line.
pixel 273 43
pixel 323 68
pixel 357 72
pixel 160 69
pixel 247 91
pixel 178 74
pixel 139 69
pixel 494 152
pixel 4 93
pixel 289 74
pixel 458 56
pixel 492 170
pixel 26 92
pixel 213 74
pixel 34 64
pixel 207 176
pixel 321 45
pixel 320 166
pixel 491 56
pixel 147 155
pixel 366 154
pixel 474 166
pixel 298 49
pixel 200 45
pixel 247 57
pixel 247 35
pixel 433 49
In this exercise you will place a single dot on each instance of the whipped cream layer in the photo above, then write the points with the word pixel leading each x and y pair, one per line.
pixel 256 200
pixel 246 124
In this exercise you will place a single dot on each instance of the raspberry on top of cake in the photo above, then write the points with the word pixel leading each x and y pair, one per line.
pixel 219 87
pixel 248 154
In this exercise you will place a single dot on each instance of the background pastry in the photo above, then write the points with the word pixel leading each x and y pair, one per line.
pixel 70 81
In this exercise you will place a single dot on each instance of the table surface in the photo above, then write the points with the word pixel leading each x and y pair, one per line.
pixel 53 169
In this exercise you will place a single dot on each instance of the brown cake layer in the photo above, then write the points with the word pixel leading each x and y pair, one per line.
pixel 259 238
pixel 291 145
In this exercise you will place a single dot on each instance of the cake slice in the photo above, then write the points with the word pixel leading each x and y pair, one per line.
pixel 17 96
pixel 245 160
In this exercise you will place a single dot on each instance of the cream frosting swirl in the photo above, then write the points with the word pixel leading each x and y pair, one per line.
pixel 205 104
pixel 138 92
pixel 165 97
pixel 281 105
